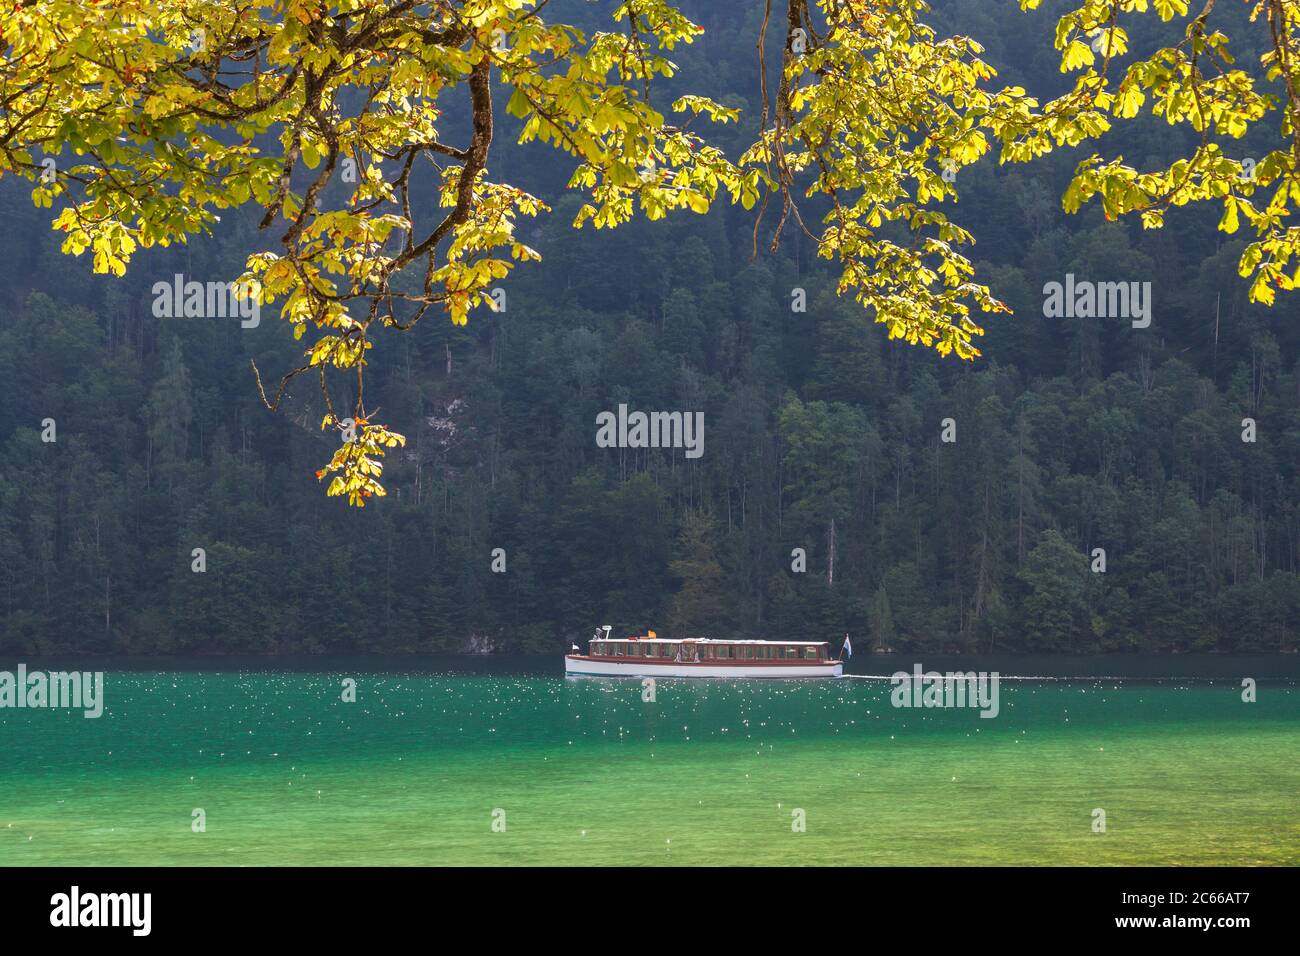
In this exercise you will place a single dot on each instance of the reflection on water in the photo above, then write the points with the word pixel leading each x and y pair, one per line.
pixel 1060 666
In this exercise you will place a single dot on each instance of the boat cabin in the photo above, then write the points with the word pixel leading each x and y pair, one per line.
pixel 705 649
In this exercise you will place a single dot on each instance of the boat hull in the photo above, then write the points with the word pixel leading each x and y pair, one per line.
pixel 577 665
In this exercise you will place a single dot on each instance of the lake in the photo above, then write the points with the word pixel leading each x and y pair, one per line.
pixel 504 761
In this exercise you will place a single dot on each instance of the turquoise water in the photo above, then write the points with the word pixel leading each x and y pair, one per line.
pixel 506 763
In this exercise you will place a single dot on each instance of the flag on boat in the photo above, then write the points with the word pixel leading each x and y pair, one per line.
pixel 574 646
pixel 846 649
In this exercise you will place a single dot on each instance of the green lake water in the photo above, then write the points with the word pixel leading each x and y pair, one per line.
pixel 584 771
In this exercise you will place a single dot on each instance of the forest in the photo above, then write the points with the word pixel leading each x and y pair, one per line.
pixel 1086 485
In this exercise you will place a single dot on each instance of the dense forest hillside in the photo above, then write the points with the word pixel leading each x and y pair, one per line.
pixel 1071 435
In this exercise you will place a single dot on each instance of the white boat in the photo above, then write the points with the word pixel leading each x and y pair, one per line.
pixel 652 656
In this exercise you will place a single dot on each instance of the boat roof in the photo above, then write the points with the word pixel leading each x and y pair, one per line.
pixel 704 640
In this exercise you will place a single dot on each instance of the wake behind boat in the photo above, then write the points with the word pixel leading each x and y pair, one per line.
pixel 652 656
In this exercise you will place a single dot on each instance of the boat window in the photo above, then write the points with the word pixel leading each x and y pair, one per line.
pixel 747 652
pixel 791 651
pixel 810 653
pixel 724 651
